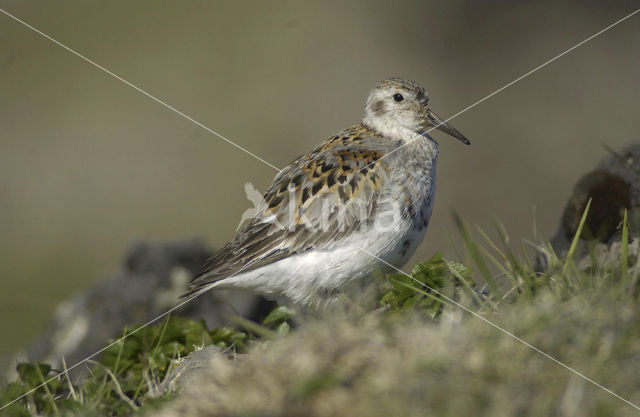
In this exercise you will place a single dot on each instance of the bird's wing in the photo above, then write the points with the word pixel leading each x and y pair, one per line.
pixel 320 197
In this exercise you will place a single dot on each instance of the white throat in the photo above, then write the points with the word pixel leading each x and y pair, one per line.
pixel 391 130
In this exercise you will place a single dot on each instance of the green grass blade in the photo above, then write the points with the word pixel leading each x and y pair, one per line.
pixel 500 267
pixel 490 243
pixel 576 238
pixel 624 261
pixel 474 252
pixel 526 257
pixel 45 387
pixel 120 349
pixel 252 327
pixel 162 332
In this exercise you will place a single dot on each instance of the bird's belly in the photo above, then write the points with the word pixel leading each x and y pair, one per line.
pixel 317 273
pixel 314 274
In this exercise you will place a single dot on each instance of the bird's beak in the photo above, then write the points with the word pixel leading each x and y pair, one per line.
pixel 436 122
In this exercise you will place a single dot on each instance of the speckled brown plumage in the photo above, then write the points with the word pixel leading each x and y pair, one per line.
pixel 343 167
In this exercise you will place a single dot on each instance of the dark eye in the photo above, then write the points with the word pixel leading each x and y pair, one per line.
pixel 398 97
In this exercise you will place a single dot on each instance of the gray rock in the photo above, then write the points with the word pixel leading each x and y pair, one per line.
pixel 152 277
pixel 186 371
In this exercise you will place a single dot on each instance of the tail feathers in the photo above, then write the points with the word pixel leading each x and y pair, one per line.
pixel 199 285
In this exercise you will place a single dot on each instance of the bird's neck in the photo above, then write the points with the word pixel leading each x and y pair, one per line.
pixel 392 131
pixel 404 139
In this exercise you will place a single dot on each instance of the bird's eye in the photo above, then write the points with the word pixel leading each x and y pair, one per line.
pixel 398 97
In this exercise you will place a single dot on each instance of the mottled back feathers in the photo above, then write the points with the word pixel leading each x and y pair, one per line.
pixel 320 197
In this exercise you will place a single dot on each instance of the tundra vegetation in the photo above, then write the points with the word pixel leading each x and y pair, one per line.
pixel 433 342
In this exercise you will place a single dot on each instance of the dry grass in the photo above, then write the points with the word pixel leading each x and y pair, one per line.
pixel 382 364
pixel 458 366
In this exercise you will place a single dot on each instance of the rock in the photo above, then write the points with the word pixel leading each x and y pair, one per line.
pixel 613 187
pixel 152 277
pixel 607 257
pixel 610 195
pixel 188 369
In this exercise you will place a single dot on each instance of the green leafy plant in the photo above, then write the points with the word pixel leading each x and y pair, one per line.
pixel 430 287
pixel 279 319
pixel 48 399
pixel 122 375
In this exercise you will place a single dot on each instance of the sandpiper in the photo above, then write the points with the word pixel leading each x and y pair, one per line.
pixel 370 187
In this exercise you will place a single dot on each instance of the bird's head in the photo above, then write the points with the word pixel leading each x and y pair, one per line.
pixel 397 105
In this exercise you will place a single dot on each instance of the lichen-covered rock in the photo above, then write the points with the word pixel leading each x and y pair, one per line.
pixel 187 370
pixel 607 256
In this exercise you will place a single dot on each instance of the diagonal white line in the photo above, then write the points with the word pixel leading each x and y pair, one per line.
pixel 546 355
pixel 509 84
pixel 139 89
pixel 274 167
pixel 172 309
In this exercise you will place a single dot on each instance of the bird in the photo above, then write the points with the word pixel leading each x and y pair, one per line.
pixel 343 212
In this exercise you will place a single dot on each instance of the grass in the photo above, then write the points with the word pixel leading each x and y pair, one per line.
pixel 419 353
pixel 124 373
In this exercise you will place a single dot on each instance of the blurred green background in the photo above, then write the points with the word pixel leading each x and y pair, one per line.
pixel 88 165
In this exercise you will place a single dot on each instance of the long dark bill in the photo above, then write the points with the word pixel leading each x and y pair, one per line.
pixel 445 127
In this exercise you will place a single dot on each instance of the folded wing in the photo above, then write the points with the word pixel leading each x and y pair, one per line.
pixel 319 198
